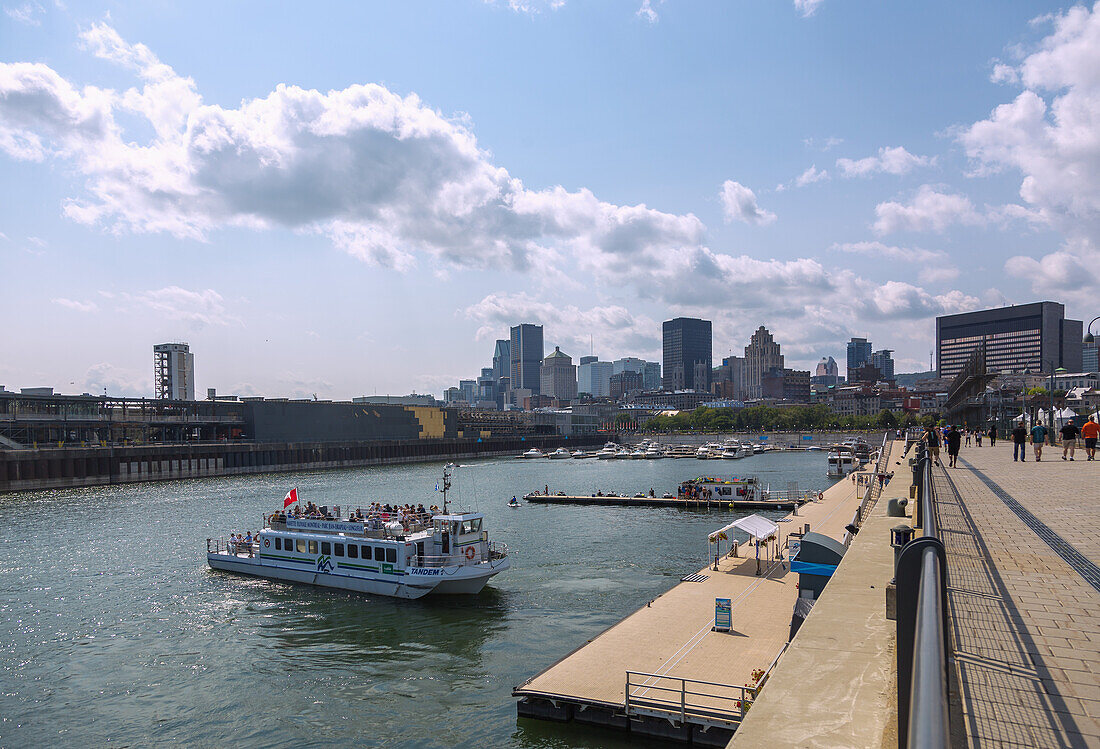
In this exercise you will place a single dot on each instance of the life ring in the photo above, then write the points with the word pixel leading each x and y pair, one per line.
pixel 470 553
pixel 820 496
pixel 267 542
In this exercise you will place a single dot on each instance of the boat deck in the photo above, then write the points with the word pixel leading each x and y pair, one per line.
pixel 690 504
pixel 672 637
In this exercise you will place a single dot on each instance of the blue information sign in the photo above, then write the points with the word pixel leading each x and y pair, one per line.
pixel 723 614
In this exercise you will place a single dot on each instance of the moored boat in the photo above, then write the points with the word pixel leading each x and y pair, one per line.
pixel 393 554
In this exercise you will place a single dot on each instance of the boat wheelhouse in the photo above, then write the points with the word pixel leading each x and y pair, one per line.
pixel 405 556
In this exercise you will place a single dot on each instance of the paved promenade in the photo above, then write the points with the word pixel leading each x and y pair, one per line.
pixel 1024 596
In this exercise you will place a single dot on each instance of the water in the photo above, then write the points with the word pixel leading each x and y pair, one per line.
pixel 114 631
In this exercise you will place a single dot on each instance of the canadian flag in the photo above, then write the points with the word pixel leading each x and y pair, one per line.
pixel 290 498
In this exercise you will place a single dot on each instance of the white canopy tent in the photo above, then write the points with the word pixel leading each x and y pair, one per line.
pixel 756 526
pixel 1060 417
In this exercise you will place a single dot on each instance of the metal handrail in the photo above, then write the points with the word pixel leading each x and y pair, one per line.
pixel 922 644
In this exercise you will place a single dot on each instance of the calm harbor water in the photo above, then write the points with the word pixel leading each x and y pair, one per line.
pixel 114 631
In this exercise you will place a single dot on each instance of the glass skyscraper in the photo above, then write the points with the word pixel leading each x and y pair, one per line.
pixel 687 354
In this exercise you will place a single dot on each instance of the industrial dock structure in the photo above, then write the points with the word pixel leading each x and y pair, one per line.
pixel 51 441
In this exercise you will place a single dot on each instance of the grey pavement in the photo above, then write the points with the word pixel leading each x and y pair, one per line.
pixel 1023 544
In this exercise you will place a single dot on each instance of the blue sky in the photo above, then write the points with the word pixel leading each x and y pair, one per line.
pixel 361 197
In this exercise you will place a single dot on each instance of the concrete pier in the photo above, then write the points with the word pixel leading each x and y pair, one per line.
pixel 671 645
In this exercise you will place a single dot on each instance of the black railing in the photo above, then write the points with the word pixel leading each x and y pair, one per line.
pixel 922 643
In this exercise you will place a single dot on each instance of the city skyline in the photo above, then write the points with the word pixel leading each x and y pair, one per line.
pixel 168 182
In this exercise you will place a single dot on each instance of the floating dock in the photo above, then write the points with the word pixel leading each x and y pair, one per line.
pixel 662 671
pixel 687 504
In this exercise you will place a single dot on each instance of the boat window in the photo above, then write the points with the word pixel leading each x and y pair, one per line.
pixel 379 554
pixel 301 546
pixel 278 544
pixel 326 547
pixel 353 551
pixel 724 490
pixel 339 549
pixel 471 526
pixel 391 555
pixel 312 547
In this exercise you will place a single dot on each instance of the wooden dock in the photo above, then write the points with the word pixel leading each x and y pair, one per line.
pixel 685 680
pixel 687 504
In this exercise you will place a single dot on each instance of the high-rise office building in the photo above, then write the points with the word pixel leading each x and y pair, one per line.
pixel 883 361
pixel 1034 336
pixel 558 376
pixel 173 372
pixel 594 377
pixel 859 353
pixel 762 354
pixel 687 352
pixel 651 376
pixel 502 360
pixel 827 373
pixel 525 352
pixel 1090 362
pixel 468 388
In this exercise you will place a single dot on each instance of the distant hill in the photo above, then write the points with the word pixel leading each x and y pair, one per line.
pixel 912 378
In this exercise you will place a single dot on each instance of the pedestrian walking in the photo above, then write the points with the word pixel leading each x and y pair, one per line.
pixel 1090 430
pixel 1038 437
pixel 978 437
pixel 968 431
pixel 953 437
pixel 993 436
pixel 932 438
pixel 1019 443
pixel 1069 439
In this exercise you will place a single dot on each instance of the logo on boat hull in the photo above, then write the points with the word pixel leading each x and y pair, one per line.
pixel 427 572
pixel 324 564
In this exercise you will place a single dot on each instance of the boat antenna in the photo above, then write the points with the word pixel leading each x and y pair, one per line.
pixel 447 471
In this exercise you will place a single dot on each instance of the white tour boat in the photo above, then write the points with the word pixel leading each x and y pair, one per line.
pixel 534 452
pixel 560 454
pixel 444 553
pixel 842 461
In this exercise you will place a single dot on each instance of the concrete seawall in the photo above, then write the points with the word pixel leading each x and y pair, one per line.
pixel 64 467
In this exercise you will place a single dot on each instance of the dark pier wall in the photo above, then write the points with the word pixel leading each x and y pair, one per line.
pixel 59 467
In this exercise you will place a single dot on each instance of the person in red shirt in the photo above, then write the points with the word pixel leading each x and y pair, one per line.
pixel 1090 432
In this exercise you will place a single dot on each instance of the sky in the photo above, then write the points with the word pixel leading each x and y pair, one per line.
pixel 345 199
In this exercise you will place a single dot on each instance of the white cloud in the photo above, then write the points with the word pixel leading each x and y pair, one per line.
pixel 822 144
pixel 618 331
pixel 929 210
pixel 198 308
pixel 646 12
pixel 810 176
pixel 384 177
pixel 75 305
pixel 807 7
pixel 530 6
pixel 895 160
pixel 37 241
pixel 1050 135
pixel 935 265
pixel 739 204
pixel 106 378
pixel 25 13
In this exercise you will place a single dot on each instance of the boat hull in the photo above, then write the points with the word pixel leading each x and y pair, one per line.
pixel 466 580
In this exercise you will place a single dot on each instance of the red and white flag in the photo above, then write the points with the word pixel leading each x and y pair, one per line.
pixel 291 498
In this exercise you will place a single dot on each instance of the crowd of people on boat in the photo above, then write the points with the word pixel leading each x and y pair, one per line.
pixel 243 543
pixel 376 513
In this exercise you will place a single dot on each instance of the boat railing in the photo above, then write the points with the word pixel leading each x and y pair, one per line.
pixel 373 527
pixel 231 547
pixel 496 550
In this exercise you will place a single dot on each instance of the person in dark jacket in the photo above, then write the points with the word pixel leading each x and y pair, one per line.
pixel 954 441
pixel 993 436
pixel 1069 439
pixel 1019 443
